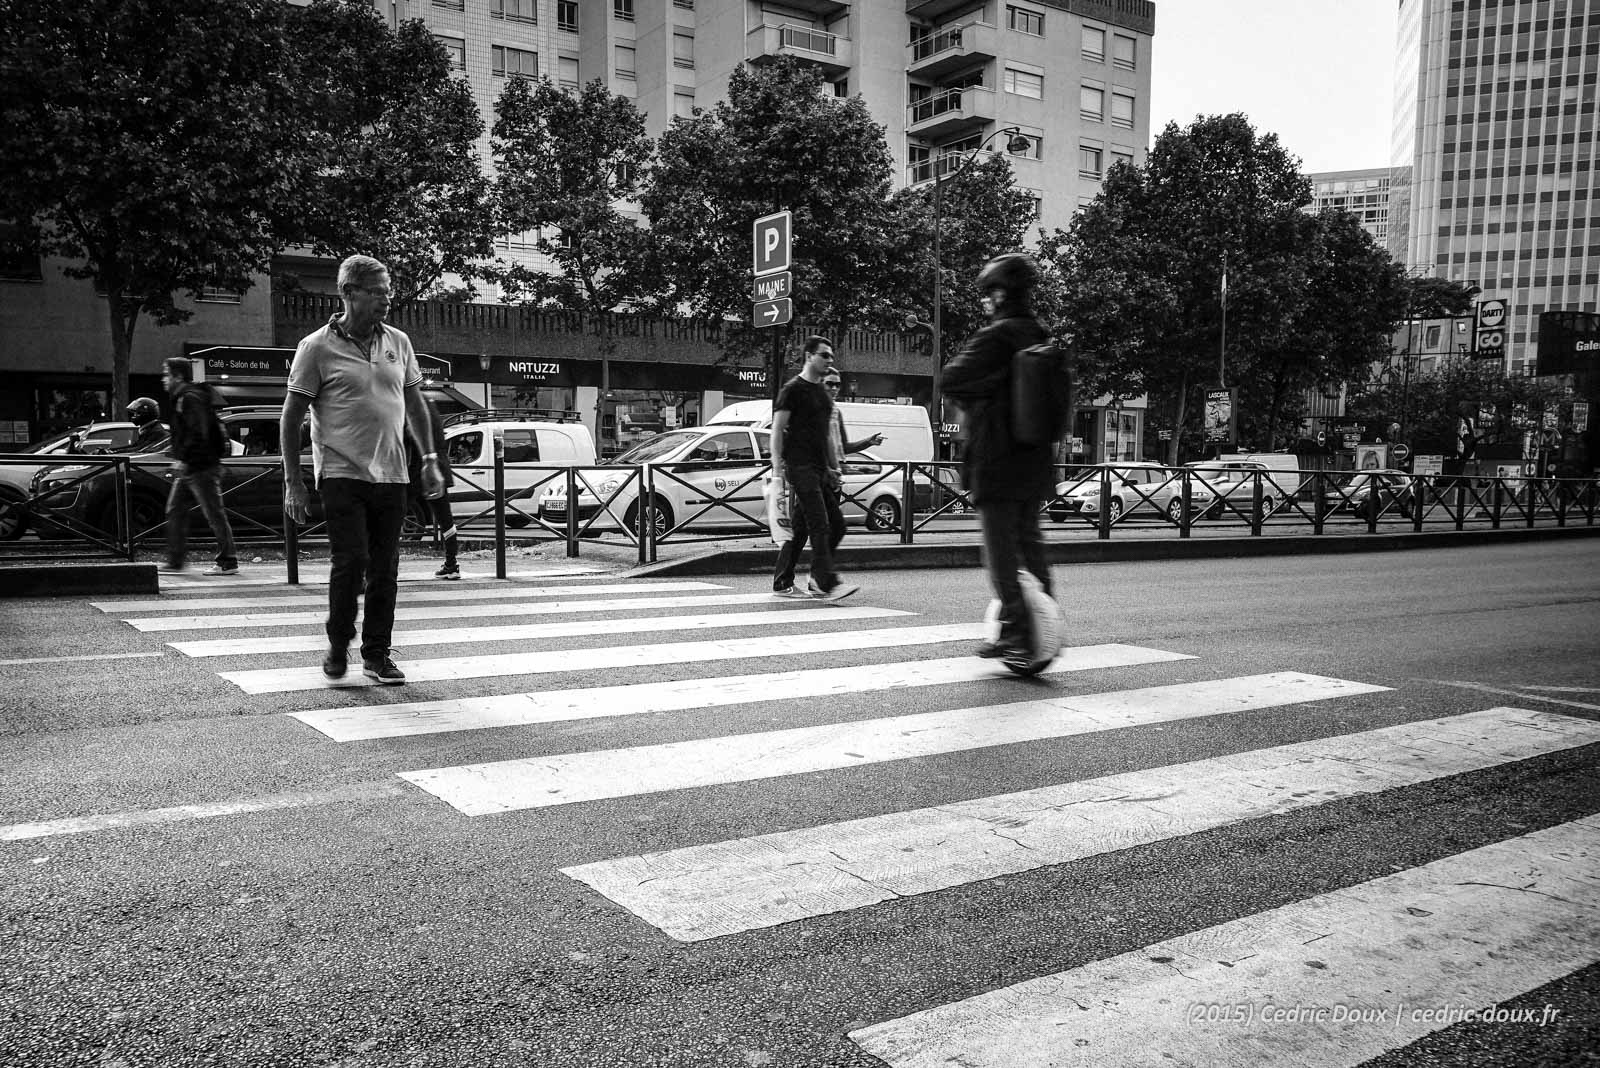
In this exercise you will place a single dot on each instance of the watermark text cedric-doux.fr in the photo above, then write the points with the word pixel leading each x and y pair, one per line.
pixel 1269 1013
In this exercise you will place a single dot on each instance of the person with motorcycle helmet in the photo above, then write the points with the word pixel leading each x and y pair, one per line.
pixel 145 414
pixel 1005 479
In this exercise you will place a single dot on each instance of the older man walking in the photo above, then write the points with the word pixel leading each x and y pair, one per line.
pixel 359 379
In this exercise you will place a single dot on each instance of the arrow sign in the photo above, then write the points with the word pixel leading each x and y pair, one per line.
pixel 774 286
pixel 772 312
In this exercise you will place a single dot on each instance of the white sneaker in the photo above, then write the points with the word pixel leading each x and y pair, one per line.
pixel 218 569
pixel 792 593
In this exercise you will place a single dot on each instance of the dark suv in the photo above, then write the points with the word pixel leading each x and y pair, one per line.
pixel 81 499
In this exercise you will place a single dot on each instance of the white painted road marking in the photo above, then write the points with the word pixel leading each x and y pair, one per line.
pixel 508 785
pixel 550 706
pixel 251 576
pixel 366 791
pixel 569 628
pixel 1478 686
pixel 72 659
pixel 452 593
pixel 284 680
pixel 452 611
pixel 1403 951
pixel 724 888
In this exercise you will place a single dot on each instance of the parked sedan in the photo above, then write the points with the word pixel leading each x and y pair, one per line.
pixel 17 477
pixel 1395 489
pixel 1136 488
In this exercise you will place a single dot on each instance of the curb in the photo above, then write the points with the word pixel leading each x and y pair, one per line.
pixel 897 557
pixel 69 580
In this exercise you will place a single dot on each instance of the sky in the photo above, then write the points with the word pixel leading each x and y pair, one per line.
pixel 1318 73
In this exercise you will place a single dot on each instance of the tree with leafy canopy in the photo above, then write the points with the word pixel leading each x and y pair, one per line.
pixel 1439 298
pixel 1142 269
pixel 777 142
pixel 153 143
pixel 398 175
pixel 563 162
pixel 1426 403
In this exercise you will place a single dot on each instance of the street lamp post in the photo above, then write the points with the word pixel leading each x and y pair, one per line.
pixel 1017 141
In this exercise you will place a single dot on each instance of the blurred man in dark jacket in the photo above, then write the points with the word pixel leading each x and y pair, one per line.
pixel 198 446
pixel 1005 480
pixel 444 521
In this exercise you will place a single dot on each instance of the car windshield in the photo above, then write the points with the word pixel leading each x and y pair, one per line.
pixel 49 444
pixel 651 449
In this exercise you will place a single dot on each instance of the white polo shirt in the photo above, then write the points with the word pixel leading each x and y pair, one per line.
pixel 358 401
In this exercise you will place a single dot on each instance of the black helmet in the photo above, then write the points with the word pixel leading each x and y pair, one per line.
pixel 1014 272
pixel 143 410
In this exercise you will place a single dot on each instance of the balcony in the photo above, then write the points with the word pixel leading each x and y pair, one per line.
pixel 952 48
pixel 822 9
pixel 834 54
pixel 944 165
pixel 953 112
pixel 937 9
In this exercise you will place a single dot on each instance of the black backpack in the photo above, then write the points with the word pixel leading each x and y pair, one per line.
pixel 216 439
pixel 1041 394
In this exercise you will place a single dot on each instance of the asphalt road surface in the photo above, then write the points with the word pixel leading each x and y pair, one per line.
pixel 1314 810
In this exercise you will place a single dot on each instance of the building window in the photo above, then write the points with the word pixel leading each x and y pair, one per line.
pixel 1035 149
pixel 841 88
pixel 1023 83
pixel 1122 110
pixel 567 71
pixel 1092 103
pixel 1025 21
pixel 683 105
pixel 215 295
pixel 456 49
pixel 453 5
pixel 624 61
pixel 622 10
pixel 1120 156
pixel 1094 44
pixel 1088 162
pixel 513 62
pixel 567 15
pixel 687 5
pixel 1126 52
pixel 514 10
pixel 683 50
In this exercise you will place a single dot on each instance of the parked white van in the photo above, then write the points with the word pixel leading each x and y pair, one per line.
pixel 907 433
pixel 533 445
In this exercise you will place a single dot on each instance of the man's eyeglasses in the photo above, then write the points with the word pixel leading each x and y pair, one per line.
pixel 830 385
pixel 375 291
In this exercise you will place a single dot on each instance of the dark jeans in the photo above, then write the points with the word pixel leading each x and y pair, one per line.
pixel 789 551
pixel 818 510
pixel 364 521
pixel 205 485
pixel 445 524
pixel 1011 539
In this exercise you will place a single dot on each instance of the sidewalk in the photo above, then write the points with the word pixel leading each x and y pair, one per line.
pixel 525 557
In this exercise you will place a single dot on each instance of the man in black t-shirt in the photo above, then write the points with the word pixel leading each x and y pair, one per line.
pixel 802 429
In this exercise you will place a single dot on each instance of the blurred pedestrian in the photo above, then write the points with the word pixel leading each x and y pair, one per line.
pixel 802 449
pixel 198 446
pixel 359 379
pixel 1005 479
pixel 444 521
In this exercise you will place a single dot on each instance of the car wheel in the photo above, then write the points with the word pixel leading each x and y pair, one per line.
pixel 1268 506
pixel 883 516
pixel 1115 510
pixel 662 513
pixel 1175 510
pixel 13 516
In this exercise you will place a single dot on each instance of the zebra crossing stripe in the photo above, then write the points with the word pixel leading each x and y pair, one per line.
pixel 509 785
pixel 567 628
pixel 453 593
pixel 724 888
pixel 451 611
pixel 611 658
pixel 1329 982
pixel 550 706
pixel 189 580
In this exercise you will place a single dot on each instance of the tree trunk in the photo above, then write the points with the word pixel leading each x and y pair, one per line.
pixel 1177 420
pixel 121 351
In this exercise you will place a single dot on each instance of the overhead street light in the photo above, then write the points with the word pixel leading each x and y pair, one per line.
pixel 1016 142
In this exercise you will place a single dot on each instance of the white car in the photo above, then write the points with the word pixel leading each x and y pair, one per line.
pixel 710 477
pixel 535 451
pixel 1137 487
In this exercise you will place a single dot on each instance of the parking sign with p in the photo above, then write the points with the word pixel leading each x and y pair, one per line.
pixel 771 234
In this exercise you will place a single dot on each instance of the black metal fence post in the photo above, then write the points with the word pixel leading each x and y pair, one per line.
pixel 499 505
pixel 572 511
pixel 907 502
pixel 1186 502
pixel 1256 504
pixel 1104 533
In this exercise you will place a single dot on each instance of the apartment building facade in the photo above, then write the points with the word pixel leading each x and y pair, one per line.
pixel 1494 148
pixel 1362 193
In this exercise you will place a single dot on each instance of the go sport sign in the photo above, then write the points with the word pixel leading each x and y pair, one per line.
pixel 1489 333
